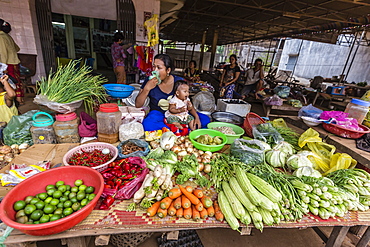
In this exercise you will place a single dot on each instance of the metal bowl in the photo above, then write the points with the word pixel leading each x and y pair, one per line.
pixel 227 117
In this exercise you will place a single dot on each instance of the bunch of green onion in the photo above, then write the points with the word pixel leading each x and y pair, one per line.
pixel 71 83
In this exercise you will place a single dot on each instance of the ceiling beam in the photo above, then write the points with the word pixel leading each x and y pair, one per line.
pixel 355 2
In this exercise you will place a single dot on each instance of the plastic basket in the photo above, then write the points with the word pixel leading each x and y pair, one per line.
pixel 90 147
pixel 250 120
pixel 346 133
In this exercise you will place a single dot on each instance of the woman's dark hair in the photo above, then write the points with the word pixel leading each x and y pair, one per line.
pixel 193 61
pixel 117 36
pixel 166 60
pixel 234 56
pixel 178 84
pixel 5 26
pixel 258 60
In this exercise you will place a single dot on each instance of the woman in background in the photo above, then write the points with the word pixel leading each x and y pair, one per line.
pixel 118 57
pixel 229 76
pixel 192 73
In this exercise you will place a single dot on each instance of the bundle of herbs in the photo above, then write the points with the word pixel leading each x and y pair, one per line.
pixel 71 83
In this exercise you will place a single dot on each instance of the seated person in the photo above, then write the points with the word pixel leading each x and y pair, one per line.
pixel 7 105
pixel 192 73
pixel 160 94
pixel 180 106
pixel 254 80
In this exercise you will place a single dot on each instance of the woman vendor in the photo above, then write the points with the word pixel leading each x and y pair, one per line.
pixel 192 72
pixel 160 93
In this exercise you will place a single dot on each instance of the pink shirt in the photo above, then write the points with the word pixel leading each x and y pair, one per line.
pixel 118 55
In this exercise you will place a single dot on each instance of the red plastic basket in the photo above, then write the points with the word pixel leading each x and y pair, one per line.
pixel 90 147
pixel 346 133
pixel 250 120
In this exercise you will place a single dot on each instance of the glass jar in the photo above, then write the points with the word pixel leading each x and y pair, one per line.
pixel 42 129
pixel 66 128
pixel 357 109
pixel 109 119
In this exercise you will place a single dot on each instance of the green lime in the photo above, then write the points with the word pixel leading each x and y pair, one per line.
pixel 57 194
pixel 67 193
pixel 91 197
pixel 74 189
pixel 36 222
pixel 67 211
pixel 75 206
pixel 18 205
pixel 82 187
pixel 80 207
pixel 40 204
pixel 22 219
pixel 34 200
pixel 72 194
pixel 80 195
pixel 49 209
pixel 36 215
pixel 55 217
pixel 28 199
pixel 59 183
pixel 79 182
pixel 29 222
pixel 89 190
pixel 20 213
pixel 54 202
pixel 29 209
pixel 87 196
pixel 51 192
pixel 42 196
pixel 62 188
pixel 63 199
pixel 68 187
pixel 45 218
pixel 58 211
pixel 74 199
pixel 60 205
pixel 50 186
pixel 67 204
pixel 48 200
pixel 84 202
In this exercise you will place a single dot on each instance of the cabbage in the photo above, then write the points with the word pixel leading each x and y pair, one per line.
pixel 155 153
pixel 307 171
pixel 298 160
pixel 285 147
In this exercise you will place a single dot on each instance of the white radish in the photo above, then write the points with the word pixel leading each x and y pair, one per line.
pixel 161 179
pixel 166 183
pixel 159 195
pixel 157 171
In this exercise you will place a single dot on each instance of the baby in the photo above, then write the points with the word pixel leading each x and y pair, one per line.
pixel 180 106
pixel 7 95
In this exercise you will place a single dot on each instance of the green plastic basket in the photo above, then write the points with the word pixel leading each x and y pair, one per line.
pixel 212 148
pixel 230 138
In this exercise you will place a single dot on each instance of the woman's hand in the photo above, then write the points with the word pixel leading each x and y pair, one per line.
pixel 197 122
pixel 151 84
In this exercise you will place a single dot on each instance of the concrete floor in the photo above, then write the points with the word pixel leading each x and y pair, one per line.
pixel 221 237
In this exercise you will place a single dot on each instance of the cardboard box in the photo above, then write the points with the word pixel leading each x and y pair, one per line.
pixel 38 153
pixel 236 106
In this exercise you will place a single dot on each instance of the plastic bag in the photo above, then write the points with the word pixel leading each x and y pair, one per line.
pixel 267 133
pixel 250 152
pixel 5 234
pixel 273 100
pixel 18 129
pixel 16 176
pixel 129 189
pixel 132 130
pixel 282 91
pixel 55 106
pixel 88 126
pixel 204 101
pixel 310 111
pixel 279 123
pixel 137 142
pixel 342 119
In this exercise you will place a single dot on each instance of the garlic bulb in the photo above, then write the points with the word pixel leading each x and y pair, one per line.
pixel 24 146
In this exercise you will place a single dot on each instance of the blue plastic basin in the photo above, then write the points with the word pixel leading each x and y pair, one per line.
pixel 119 90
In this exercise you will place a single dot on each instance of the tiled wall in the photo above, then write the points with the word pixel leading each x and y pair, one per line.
pixel 22 16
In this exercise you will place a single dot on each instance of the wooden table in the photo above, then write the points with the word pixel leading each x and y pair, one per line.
pixel 284 108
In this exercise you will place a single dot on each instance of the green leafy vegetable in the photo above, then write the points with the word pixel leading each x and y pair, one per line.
pixel 188 168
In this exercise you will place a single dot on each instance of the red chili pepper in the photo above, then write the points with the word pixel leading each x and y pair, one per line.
pixel 108 176
pixel 118 183
pixel 129 176
pixel 107 202
pixel 127 167
pixel 107 186
pixel 110 183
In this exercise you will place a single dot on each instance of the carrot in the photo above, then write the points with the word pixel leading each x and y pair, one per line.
pixel 171 210
pixel 219 216
pixel 189 188
pixel 188 213
pixel 211 211
pixel 153 209
pixel 199 207
pixel 216 206
pixel 161 213
pixel 165 203
pixel 207 202
pixel 174 193
pixel 177 202
pixel 193 199
pixel 198 193
pixel 196 214
pixel 185 202
pixel 180 212
pixel 204 214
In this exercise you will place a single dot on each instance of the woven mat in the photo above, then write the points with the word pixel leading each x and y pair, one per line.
pixel 117 218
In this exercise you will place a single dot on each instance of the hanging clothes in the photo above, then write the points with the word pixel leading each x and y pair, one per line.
pixel 151 26
pixel 145 58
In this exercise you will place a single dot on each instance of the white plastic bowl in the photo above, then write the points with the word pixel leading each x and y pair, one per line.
pixel 311 122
